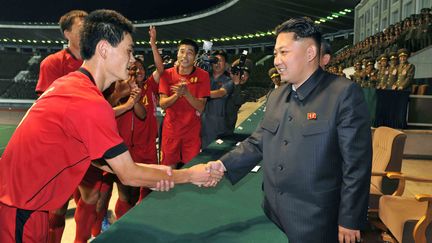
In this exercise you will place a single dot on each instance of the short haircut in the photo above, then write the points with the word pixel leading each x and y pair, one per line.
pixel 302 27
pixel 100 25
pixel 189 42
pixel 220 53
pixel 66 21
pixel 325 47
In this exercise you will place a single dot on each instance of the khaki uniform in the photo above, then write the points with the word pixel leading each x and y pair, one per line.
pixel 405 75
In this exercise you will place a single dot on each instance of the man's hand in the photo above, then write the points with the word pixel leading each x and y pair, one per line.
pixel 217 168
pixel 348 235
pixel 201 174
pixel 163 185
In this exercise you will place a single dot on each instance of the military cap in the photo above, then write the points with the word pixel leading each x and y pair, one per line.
pixel 370 62
pixel 393 55
pixel 403 52
pixel 382 56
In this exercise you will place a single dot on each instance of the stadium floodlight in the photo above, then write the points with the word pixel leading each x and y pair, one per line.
pixel 347 10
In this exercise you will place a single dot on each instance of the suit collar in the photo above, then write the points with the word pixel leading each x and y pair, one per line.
pixel 306 88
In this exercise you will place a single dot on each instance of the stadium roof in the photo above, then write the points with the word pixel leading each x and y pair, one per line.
pixel 247 20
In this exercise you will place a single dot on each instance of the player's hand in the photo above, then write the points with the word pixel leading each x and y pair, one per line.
pixel 179 89
pixel 163 185
pixel 135 94
pixel 152 33
pixel 348 235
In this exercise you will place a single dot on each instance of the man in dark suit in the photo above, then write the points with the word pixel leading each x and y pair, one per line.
pixel 315 143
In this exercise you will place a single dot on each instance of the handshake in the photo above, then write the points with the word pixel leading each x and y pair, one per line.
pixel 202 175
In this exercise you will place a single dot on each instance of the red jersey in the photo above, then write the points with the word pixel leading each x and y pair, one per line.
pixel 181 118
pixel 55 66
pixel 51 149
pixel 135 131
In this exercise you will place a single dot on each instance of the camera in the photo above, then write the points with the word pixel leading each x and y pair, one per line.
pixel 205 60
pixel 240 67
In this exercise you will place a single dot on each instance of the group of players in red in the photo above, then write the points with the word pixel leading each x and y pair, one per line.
pixel 88 133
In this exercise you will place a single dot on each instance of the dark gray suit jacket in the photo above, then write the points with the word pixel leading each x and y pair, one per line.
pixel 315 144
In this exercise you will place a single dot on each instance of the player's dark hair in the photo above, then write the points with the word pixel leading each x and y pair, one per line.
pixel 100 25
pixel 189 42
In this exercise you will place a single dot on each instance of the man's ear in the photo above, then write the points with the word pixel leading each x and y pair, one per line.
pixel 311 52
pixel 102 48
pixel 66 34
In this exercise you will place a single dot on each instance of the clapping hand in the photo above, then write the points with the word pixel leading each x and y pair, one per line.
pixel 180 89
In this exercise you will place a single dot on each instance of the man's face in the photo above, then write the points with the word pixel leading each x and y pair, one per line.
pixel 290 57
pixel 402 59
pixel 186 56
pixel 118 59
pixel 73 35
pixel 219 67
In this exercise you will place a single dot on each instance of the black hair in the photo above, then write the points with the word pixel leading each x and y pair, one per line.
pixel 325 47
pixel 189 42
pixel 302 27
pixel 220 53
pixel 100 25
pixel 67 20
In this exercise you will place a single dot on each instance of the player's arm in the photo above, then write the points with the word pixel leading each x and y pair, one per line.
pixel 139 109
pixel 167 101
pixel 197 103
pixel 156 56
pixel 136 175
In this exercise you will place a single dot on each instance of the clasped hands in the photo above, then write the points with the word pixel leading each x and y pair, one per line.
pixel 202 175
pixel 180 89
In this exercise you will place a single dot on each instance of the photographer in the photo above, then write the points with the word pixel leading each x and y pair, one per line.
pixel 240 72
pixel 221 86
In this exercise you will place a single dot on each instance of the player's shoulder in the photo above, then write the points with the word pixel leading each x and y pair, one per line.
pixel 54 58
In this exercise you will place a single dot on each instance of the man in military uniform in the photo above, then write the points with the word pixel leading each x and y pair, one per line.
pixel 370 75
pixel 392 69
pixel 383 72
pixel 358 75
pixel 405 72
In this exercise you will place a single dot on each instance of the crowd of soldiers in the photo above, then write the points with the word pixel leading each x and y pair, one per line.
pixel 413 33
pixel 394 72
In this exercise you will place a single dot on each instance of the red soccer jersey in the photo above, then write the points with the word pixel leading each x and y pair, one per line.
pixel 181 118
pixel 55 66
pixel 141 132
pixel 51 149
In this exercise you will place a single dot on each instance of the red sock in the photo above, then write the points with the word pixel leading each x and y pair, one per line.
pixel 85 216
pixel 121 208
pixel 56 227
pixel 144 191
pixel 97 226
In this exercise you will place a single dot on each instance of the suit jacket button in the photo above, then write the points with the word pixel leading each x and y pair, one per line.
pixel 280 167
pixel 285 142
pixel 281 193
